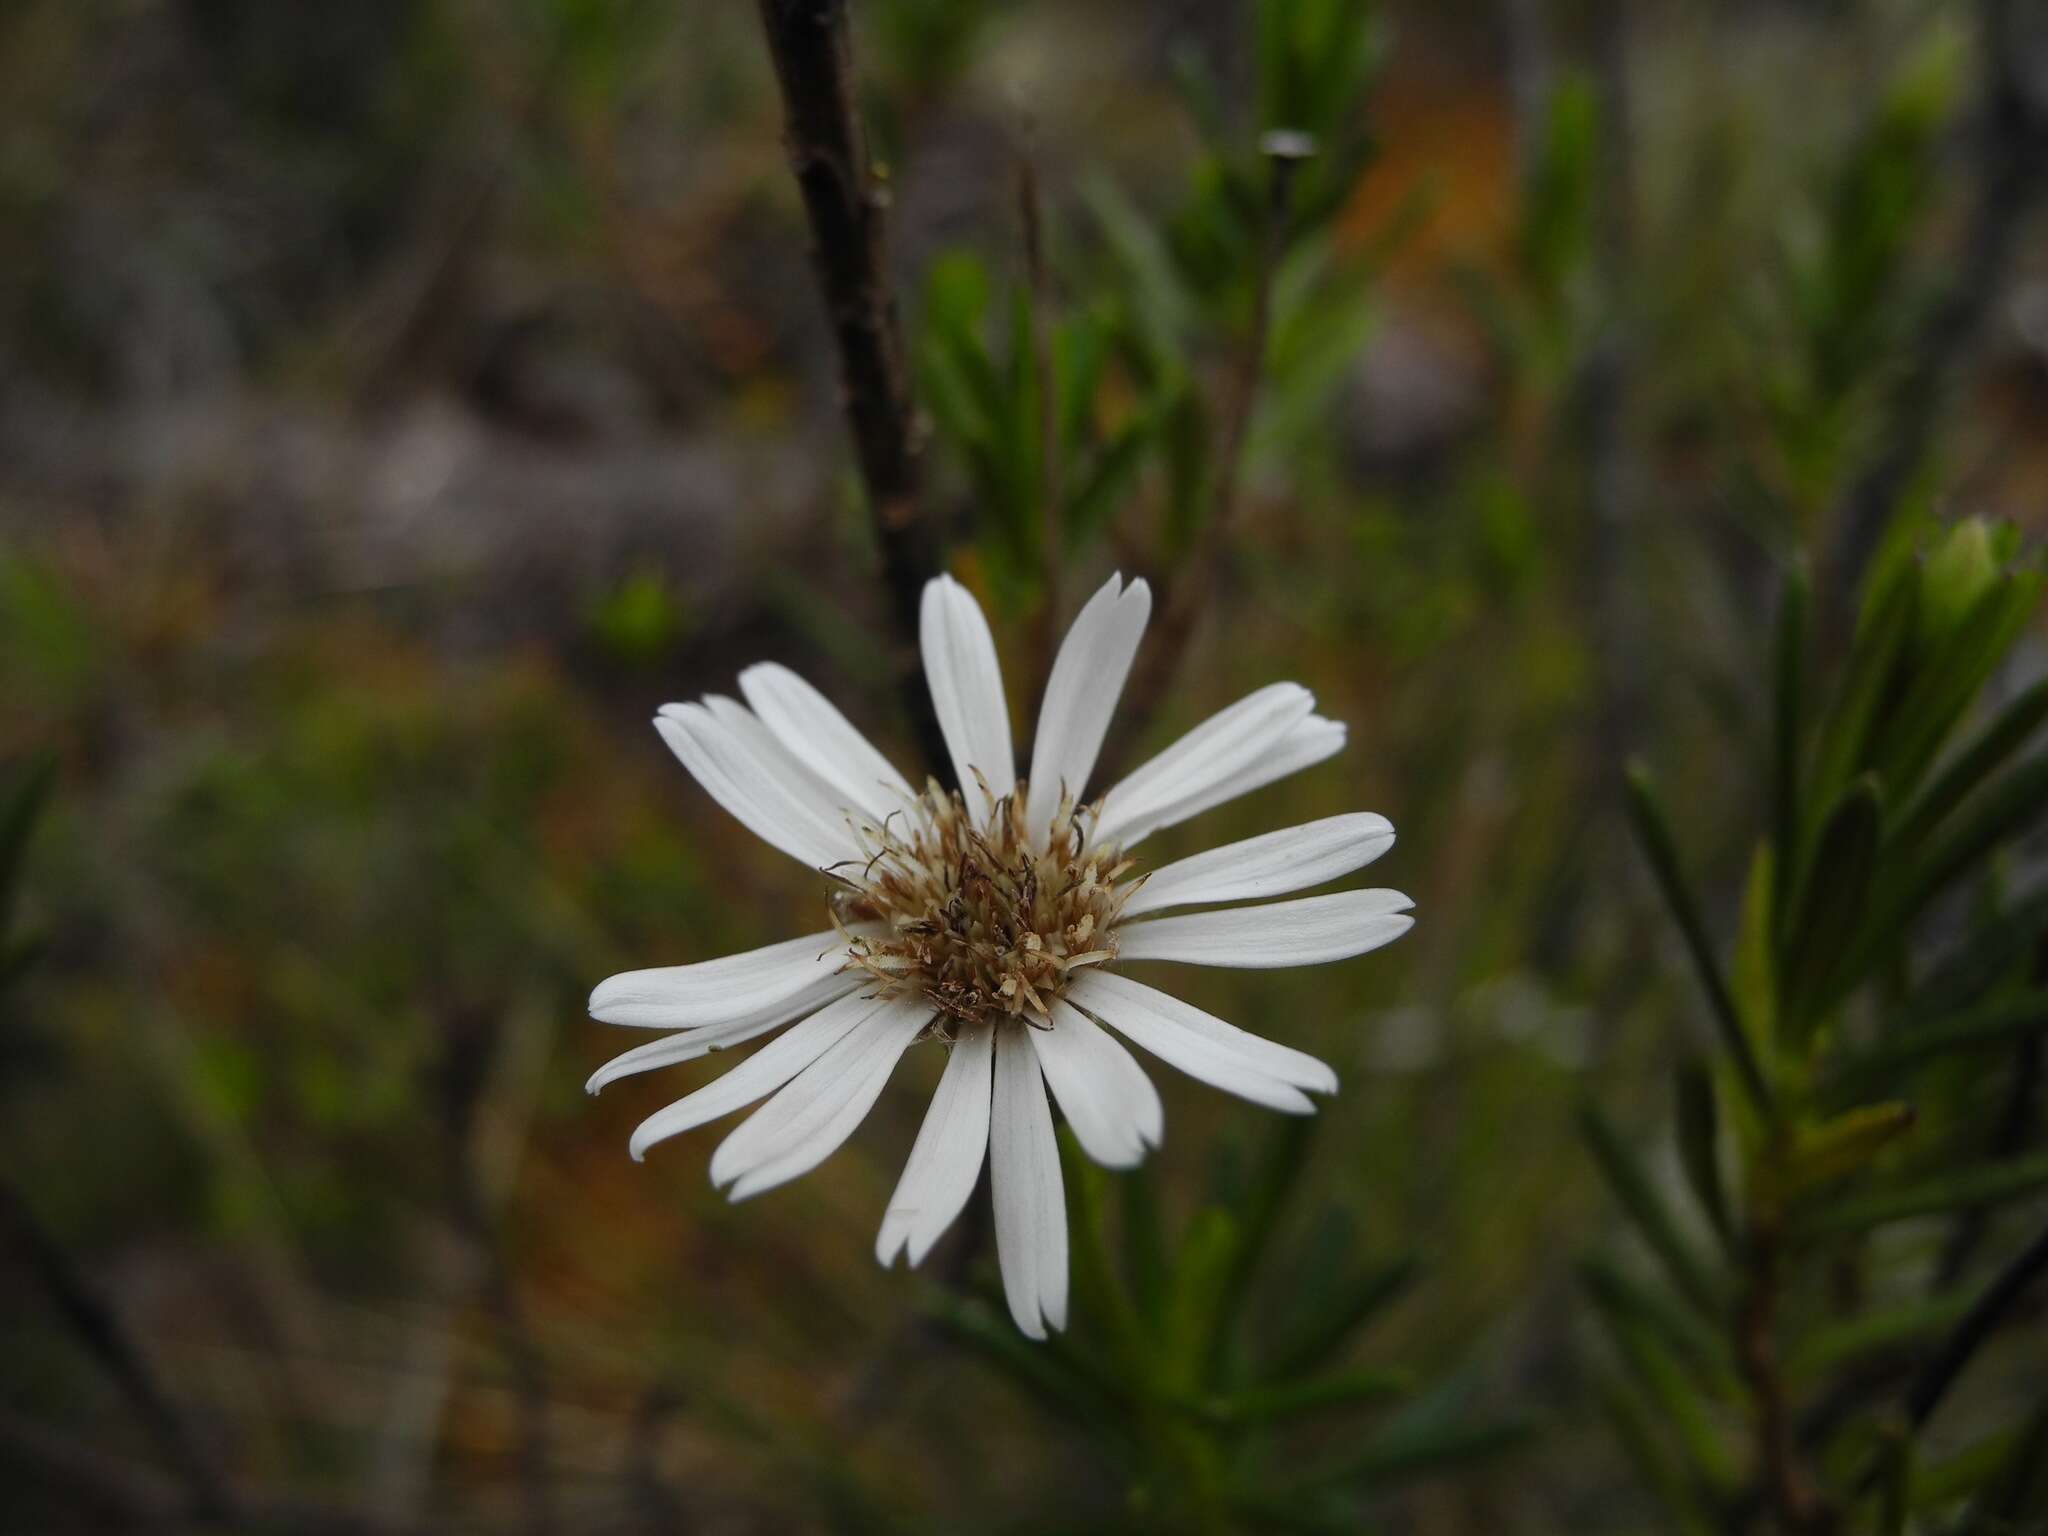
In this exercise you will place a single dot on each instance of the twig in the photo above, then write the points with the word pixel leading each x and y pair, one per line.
pixel 810 43
pixel 2012 169
pixel 101 1331
pixel 1785 1484
pixel 1202 569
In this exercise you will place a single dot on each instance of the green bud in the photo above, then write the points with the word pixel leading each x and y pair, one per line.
pixel 1959 570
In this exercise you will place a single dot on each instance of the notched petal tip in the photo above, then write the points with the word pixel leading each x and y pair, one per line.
pixel 889 1242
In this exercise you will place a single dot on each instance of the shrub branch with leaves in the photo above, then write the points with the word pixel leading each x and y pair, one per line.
pixel 1832 1262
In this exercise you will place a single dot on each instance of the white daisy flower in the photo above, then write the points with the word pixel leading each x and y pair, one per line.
pixel 989 921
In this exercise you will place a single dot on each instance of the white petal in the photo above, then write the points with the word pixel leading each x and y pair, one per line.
pixel 946 1161
pixel 768 759
pixel 1108 1099
pixel 718 991
pixel 1214 752
pixel 689 1044
pixel 726 769
pixel 760 1074
pixel 1271 865
pixel 811 1118
pixel 1080 696
pixel 1308 743
pixel 1131 1006
pixel 967 688
pixel 1030 1199
pixel 1305 932
pixel 823 740
pixel 1207 1064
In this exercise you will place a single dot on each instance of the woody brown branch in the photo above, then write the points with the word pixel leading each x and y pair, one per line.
pixel 846 206
pixel 1786 1486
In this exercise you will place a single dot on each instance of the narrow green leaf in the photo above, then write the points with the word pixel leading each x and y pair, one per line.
pixel 2003 811
pixel 21 806
pixel 2004 734
pixel 1992 952
pixel 1682 1331
pixel 956 293
pixel 1699 1145
pixel 1404 1453
pixel 1287 1149
pixel 2015 1499
pixel 1164 305
pixel 1143 1240
pixel 1689 1417
pixel 1874 659
pixel 1993 1024
pixel 1079 349
pixel 1199 1276
pixel 1985 1185
pixel 1297 1399
pixel 1108 479
pixel 1755 963
pixel 1969 1470
pixel 1037 1371
pixel 1829 911
pixel 1788 697
pixel 1947 682
pixel 1878 1332
pixel 1646 1208
pixel 1844 1144
pixel 1640 1438
pixel 1322 1333
pixel 1894 1483
pixel 1101 1298
pixel 1653 832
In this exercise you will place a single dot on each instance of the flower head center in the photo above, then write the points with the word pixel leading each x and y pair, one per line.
pixel 985 922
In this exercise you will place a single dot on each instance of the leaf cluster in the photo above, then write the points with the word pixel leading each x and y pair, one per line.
pixel 1881 1006
pixel 1247 281
pixel 1212 1375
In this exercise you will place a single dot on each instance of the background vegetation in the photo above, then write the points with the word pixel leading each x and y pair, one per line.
pixel 399 400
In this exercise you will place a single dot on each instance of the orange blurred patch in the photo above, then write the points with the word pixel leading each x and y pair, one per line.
pixel 1451 143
